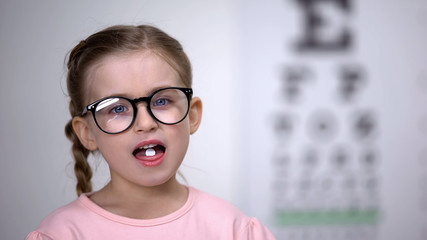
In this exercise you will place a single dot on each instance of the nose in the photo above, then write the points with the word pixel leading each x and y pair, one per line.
pixel 144 122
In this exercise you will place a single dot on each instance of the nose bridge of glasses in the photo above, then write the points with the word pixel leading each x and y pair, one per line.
pixel 147 100
pixel 143 118
pixel 141 99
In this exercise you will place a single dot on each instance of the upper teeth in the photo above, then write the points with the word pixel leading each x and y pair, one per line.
pixel 148 146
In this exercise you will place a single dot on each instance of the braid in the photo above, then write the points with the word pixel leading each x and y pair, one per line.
pixel 82 169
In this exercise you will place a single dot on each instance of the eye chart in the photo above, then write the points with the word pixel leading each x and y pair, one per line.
pixel 334 112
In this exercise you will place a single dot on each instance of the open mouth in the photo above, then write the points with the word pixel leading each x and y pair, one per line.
pixel 149 150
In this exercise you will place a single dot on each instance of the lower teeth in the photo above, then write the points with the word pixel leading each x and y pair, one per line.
pixel 150 152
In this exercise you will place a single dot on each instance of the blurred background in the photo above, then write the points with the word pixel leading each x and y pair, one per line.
pixel 314 116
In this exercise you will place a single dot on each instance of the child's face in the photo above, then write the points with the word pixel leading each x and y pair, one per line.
pixel 137 75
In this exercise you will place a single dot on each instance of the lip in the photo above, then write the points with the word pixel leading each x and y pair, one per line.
pixel 151 161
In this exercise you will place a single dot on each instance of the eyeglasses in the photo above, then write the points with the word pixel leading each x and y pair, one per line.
pixel 117 114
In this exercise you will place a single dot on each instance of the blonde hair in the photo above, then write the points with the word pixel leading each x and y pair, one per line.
pixel 113 40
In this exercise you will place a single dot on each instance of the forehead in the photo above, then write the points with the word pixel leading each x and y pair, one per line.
pixel 132 74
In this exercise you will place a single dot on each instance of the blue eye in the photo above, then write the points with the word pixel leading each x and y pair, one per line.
pixel 161 102
pixel 119 109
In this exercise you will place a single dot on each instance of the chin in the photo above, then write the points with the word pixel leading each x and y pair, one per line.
pixel 158 181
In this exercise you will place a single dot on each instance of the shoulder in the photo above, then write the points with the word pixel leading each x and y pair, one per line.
pixel 213 209
pixel 216 205
pixel 225 215
pixel 66 213
pixel 60 221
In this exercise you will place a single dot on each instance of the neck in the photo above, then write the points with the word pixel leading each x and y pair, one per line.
pixel 134 192
pixel 143 202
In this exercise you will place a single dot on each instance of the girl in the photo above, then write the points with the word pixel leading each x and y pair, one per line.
pixel 131 100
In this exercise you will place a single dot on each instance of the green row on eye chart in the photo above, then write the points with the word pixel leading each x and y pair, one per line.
pixel 327 217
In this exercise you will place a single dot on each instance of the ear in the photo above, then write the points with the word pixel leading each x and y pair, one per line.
pixel 84 133
pixel 195 114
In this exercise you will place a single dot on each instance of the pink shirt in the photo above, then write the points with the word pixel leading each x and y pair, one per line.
pixel 202 217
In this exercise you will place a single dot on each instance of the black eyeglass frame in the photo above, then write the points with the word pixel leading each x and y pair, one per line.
pixel 92 107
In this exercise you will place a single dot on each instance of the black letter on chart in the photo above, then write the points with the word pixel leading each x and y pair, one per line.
pixel 315 20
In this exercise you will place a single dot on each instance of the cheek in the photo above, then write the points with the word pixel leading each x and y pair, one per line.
pixel 114 152
pixel 180 135
pixel 110 145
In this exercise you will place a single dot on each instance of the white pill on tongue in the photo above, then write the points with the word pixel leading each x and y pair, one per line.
pixel 150 152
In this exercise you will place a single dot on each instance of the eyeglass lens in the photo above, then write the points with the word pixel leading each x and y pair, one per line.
pixel 116 114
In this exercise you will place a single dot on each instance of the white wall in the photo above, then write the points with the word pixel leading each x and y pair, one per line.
pixel 36 173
